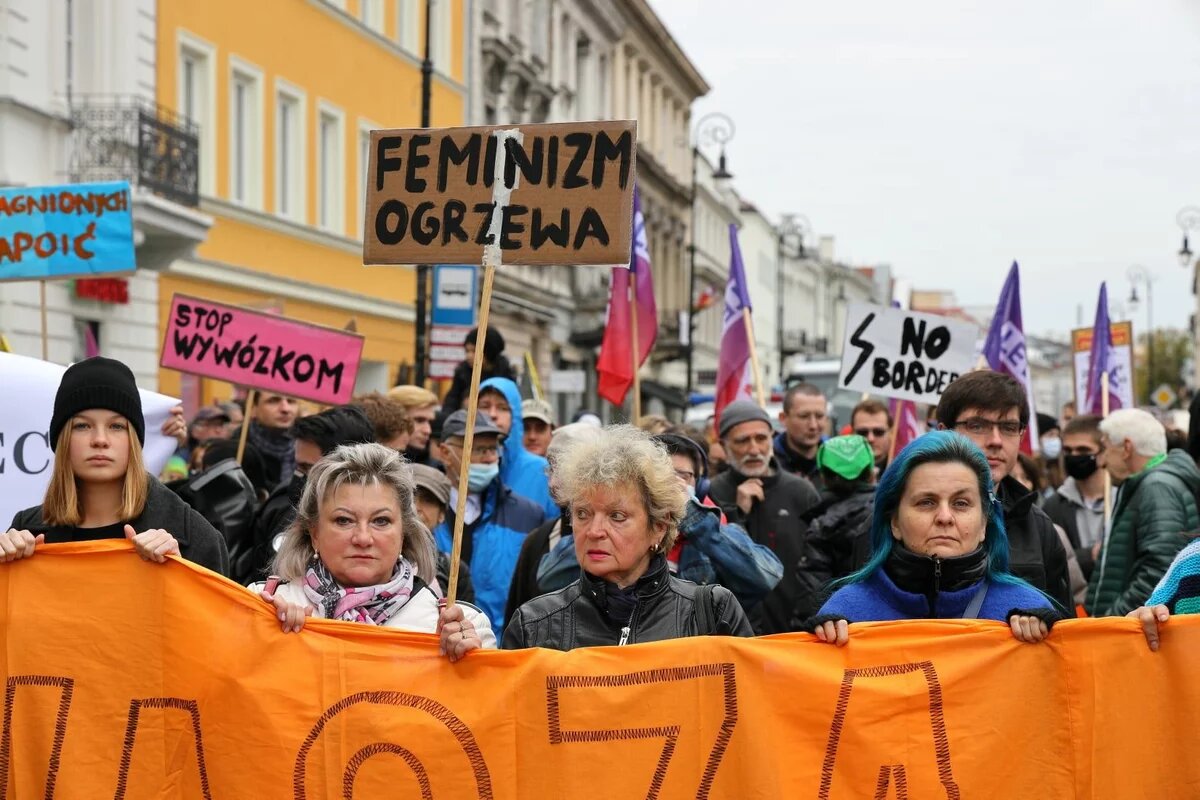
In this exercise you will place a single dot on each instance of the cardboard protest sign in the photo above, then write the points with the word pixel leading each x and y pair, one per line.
pixel 218 702
pixel 547 194
pixel 25 457
pixel 68 231
pixel 904 354
pixel 263 351
pixel 1081 353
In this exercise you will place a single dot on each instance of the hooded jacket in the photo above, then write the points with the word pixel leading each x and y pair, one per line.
pixel 1067 509
pixel 520 470
pixel 1155 510
pixel 835 526
pixel 778 523
pixel 1035 553
pixel 496 538
pixel 793 462
pixel 199 542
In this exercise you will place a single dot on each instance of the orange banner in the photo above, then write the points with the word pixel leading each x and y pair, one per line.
pixel 134 680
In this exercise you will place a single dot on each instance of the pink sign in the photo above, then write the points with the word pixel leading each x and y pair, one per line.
pixel 267 352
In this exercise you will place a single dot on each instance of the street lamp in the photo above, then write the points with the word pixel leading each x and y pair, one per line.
pixel 423 269
pixel 792 228
pixel 1139 274
pixel 713 128
pixel 1189 220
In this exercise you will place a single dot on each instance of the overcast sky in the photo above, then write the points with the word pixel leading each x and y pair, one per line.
pixel 950 138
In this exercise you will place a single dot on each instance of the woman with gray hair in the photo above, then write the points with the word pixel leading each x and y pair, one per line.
pixel 358 552
pixel 624 505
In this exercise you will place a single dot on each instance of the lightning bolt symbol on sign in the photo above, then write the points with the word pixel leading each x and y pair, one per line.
pixel 866 348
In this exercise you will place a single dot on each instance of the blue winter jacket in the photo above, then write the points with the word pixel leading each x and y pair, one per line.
pixel 520 470
pixel 877 599
pixel 711 553
pixel 497 535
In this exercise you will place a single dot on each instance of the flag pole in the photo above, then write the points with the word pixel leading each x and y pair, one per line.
pixel 535 383
pixel 1107 476
pixel 635 348
pixel 247 415
pixel 45 328
pixel 758 386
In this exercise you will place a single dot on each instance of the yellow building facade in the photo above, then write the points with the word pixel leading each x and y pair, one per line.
pixel 284 93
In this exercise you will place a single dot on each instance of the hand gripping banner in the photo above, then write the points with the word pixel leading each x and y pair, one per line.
pixel 132 680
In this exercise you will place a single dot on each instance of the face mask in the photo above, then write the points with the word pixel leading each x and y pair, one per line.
pixel 1080 467
pixel 1052 448
pixel 691 492
pixel 480 476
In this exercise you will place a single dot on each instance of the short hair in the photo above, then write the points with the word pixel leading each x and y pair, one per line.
pixel 412 397
pixel 388 416
pixel 805 389
pixel 871 406
pixel 1033 471
pixel 1087 424
pixel 355 465
pixel 334 427
pixel 61 505
pixel 623 454
pixel 654 424
pixel 1147 434
pixel 986 390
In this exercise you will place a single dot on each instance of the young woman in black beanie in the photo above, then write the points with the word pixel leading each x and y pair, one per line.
pixel 100 488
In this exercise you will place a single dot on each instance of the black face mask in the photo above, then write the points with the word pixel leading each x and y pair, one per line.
pixel 1081 466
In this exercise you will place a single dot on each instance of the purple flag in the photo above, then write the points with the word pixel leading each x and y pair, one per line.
pixel 1004 347
pixel 735 380
pixel 1102 360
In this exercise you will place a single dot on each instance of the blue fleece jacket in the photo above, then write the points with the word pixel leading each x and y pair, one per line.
pixel 496 542
pixel 878 599
pixel 520 470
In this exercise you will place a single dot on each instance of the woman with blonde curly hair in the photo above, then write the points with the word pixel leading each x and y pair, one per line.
pixel 625 504
pixel 358 552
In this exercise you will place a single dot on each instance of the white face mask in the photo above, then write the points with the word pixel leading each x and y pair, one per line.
pixel 1052 447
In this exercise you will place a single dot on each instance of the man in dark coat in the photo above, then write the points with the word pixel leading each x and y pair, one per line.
pixel 992 410
pixel 767 501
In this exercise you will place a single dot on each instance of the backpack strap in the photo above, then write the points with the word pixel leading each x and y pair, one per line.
pixel 706 615
pixel 973 608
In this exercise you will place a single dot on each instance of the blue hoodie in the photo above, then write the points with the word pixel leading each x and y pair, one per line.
pixel 520 470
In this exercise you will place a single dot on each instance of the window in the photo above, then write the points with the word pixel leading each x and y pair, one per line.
pixel 196 100
pixel 331 184
pixel 289 154
pixel 371 14
pixel 440 36
pixel 245 135
pixel 408 25
pixel 364 162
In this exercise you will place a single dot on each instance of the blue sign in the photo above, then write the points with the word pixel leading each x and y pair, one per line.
pixel 74 231
pixel 455 294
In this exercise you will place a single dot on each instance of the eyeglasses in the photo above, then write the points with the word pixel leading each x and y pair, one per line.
pixel 867 433
pixel 978 426
pixel 482 451
pixel 685 475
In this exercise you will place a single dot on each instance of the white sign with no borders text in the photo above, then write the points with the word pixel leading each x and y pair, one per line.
pixel 904 354
pixel 26 460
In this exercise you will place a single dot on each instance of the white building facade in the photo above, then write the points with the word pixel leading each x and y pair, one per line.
pixel 77 105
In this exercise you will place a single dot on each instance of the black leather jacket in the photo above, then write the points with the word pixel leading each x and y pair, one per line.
pixel 577 615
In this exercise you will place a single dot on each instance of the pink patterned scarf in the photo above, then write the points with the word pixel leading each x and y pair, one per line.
pixel 373 605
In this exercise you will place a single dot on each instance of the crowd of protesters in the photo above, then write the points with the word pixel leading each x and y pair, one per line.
pixel 578 535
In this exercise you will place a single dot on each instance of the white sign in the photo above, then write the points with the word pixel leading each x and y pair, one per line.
pixel 446 349
pixel 1122 364
pixel 456 288
pixel 903 354
pixel 567 381
pixel 26 461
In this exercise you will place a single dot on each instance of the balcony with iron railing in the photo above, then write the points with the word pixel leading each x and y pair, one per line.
pixel 126 138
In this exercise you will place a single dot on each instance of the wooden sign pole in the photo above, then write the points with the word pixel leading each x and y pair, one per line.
pixel 247 415
pixel 45 328
pixel 491 257
pixel 758 386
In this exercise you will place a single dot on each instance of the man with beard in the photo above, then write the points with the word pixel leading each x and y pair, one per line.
pixel 421 405
pixel 767 501
pixel 313 436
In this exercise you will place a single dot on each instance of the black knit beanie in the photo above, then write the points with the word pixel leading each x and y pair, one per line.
pixel 97 382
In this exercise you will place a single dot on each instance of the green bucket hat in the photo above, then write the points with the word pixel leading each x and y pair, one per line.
pixel 847 456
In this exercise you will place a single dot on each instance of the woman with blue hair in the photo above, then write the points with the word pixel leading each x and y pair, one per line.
pixel 939 550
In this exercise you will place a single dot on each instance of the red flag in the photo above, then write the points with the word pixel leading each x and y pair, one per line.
pixel 906 425
pixel 615 364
